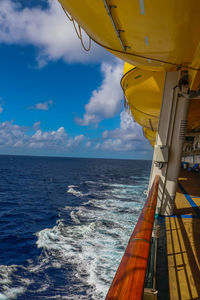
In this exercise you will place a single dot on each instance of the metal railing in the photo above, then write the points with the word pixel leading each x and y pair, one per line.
pixel 128 283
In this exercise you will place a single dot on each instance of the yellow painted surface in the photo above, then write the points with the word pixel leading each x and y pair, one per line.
pixel 183 243
pixel 144 90
pixel 150 135
pixel 194 76
pixel 160 30
pixel 158 36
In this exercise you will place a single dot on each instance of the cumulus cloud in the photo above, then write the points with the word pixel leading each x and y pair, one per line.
pixel 12 134
pixel 16 136
pixel 49 139
pixel 105 101
pixel 74 142
pixel 20 139
pixel 47 29
pixel 42 105
pixel 88 144
pixel 128 137
pixel 36 125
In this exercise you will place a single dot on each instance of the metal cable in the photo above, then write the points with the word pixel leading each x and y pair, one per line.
pixel 179 66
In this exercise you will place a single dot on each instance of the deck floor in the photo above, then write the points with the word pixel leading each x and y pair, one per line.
pixel 183 240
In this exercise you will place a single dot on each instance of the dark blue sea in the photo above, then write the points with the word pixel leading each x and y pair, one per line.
pixel 65 223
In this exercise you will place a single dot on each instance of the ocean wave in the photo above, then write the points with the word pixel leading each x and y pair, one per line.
pixel 7 276
pixel 95 243
pixel 86 250
pixel 71 190
pixel 93 246
pixel 76 257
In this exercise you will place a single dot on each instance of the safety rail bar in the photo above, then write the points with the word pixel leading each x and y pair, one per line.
pixel 117 31
pixel 128 283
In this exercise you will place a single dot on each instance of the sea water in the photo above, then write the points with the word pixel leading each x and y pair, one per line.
pixel 65 223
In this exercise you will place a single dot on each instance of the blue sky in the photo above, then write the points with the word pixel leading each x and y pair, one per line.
pixel 56 99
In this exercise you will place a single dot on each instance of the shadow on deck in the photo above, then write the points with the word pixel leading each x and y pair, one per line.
pixel 181 243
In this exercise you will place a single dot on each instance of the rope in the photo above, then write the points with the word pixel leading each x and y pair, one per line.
pixel 81 38
pixel 69 17
pixel 126 106
pixel 179 66
pixel 78 31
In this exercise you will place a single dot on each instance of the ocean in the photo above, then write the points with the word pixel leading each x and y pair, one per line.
pixel 65 223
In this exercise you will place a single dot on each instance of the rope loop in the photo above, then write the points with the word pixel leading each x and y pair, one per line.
pixel 69 17
pixel 81 38
pixel 78 31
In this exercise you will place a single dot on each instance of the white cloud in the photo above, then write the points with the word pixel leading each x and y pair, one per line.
pixel 79 138
pixel 16 136
pixel 128 137
pixel 36 125
pixel 49 139
pixel 97 146
pixel 74 142
pixel 47 29
pixel 1 109
pixel 42 105
pixel 20 139
pixel 88 144
pixel 53 34
pixel 105 101
pixel 11 134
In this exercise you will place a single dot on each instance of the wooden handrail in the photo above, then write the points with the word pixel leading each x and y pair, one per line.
pixel 128 283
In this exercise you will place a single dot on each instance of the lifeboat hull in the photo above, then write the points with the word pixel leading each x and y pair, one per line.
pixel 155 34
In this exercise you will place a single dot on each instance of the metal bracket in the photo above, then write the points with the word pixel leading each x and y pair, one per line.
pixel 159 165
pixel 191 94
pixel 112 6
pixel 161 155
pixel 150 294
pixel 117 31
pixel 156 231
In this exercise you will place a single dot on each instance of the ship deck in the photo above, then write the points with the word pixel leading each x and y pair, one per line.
pixel 179 245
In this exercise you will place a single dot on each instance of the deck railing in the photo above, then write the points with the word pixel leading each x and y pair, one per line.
pixel 128 283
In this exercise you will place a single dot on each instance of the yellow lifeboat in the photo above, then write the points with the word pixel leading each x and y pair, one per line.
pixel 143 90
pixel 150 135
pixel 151 35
